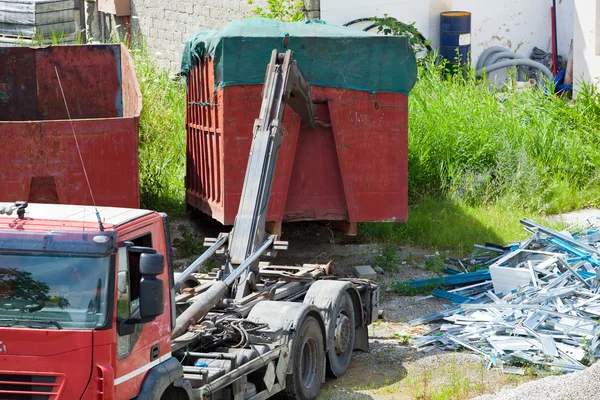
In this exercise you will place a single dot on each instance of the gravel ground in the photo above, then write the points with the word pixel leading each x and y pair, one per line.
pixel 584 385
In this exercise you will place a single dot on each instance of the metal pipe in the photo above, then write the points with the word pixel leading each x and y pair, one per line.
pixel 206 301
pixel 237 373
pixel 201 260
pixel 558 235
pixel 203 303
pixel 243 266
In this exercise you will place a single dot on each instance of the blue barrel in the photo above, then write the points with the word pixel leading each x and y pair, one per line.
pixel 455 33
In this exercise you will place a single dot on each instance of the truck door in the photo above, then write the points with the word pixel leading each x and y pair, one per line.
pixel 149 343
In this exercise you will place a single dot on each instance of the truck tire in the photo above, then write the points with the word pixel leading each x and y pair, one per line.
pixel 308 358
pixel 340 351
pixel 174 393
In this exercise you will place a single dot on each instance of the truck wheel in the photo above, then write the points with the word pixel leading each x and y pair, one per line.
pixel 339 352
pixel 308 356
pixel 174 393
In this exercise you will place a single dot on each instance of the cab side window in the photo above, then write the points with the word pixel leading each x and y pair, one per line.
pixel 128 300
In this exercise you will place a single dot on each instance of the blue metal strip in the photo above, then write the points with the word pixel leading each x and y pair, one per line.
pixel 451 271
pixel 575 251
pixel 455 298
pixel 453 280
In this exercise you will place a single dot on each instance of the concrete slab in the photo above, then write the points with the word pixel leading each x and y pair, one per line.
pixel 589 216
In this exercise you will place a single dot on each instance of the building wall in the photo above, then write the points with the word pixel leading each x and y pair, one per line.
pixel 586 42
pixel 518 25
pixel 166 25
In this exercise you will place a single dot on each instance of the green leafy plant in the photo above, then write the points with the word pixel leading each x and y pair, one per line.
pixel 405 289
pixel 391 26
pixel 283 10
pixel 388 259
pixel 189 245
pixel 403 339
pixel 435 264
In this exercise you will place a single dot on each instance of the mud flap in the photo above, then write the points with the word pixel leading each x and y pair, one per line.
pixel 161 377
pixel 323 294
pixel 286 317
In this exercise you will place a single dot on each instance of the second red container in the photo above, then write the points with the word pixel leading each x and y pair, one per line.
pixel 353 169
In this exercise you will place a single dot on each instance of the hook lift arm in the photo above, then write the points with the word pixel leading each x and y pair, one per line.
pixel 285 84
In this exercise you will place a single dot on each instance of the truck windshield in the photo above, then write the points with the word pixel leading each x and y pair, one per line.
pixel 50 291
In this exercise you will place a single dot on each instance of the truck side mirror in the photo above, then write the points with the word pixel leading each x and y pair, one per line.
pixel 152 264
pixel 151 288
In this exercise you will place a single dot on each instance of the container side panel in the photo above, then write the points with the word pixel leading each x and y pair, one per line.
pixel 47 162
pixel 18 94
pixel 21 159
pixel 353 167
pixel 132 96
pixel 316 191
pixel 371 135
pixel 90 79
pixel 204 138
pixel 241 108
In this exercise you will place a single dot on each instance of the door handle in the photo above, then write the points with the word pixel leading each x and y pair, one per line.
pixel 154 352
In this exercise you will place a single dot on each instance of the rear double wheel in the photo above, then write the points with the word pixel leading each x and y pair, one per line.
pixel 308 359
pixel 342 323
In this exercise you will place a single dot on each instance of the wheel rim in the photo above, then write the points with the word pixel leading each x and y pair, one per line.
pixel 342 333
pixel 308 363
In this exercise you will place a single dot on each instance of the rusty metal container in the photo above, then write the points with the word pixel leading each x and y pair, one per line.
pixel 353 168
pixel 39 159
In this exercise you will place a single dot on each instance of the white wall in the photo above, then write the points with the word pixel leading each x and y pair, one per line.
pixel 586 43
pixel 519 25
pixel 340 12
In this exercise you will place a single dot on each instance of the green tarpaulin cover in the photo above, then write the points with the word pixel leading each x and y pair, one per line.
pixel 328 55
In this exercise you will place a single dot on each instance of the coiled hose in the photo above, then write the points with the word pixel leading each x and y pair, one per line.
pixel 490 61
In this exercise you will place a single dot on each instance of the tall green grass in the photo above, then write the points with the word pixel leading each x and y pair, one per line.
pixel 162 136
pixel 480 159
pixel 524 150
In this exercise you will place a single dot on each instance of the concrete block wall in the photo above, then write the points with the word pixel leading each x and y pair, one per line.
pixel 166 25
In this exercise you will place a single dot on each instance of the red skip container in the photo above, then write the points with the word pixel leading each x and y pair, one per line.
pixel 39 161
pixel 355 169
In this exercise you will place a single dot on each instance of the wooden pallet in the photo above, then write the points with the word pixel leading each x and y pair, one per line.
pixel 35 18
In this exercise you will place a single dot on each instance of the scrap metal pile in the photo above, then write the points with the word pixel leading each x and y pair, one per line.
pixel 536 305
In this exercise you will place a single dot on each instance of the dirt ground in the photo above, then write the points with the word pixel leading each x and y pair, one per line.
pixel 392 369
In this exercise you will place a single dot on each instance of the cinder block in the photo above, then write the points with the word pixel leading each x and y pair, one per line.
pixel 364 272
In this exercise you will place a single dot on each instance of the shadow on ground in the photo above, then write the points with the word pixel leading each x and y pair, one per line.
pixel 439 224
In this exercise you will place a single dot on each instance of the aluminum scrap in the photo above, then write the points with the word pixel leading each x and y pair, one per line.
pixel 543 310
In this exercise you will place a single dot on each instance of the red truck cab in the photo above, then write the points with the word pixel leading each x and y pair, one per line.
pixel 79 318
